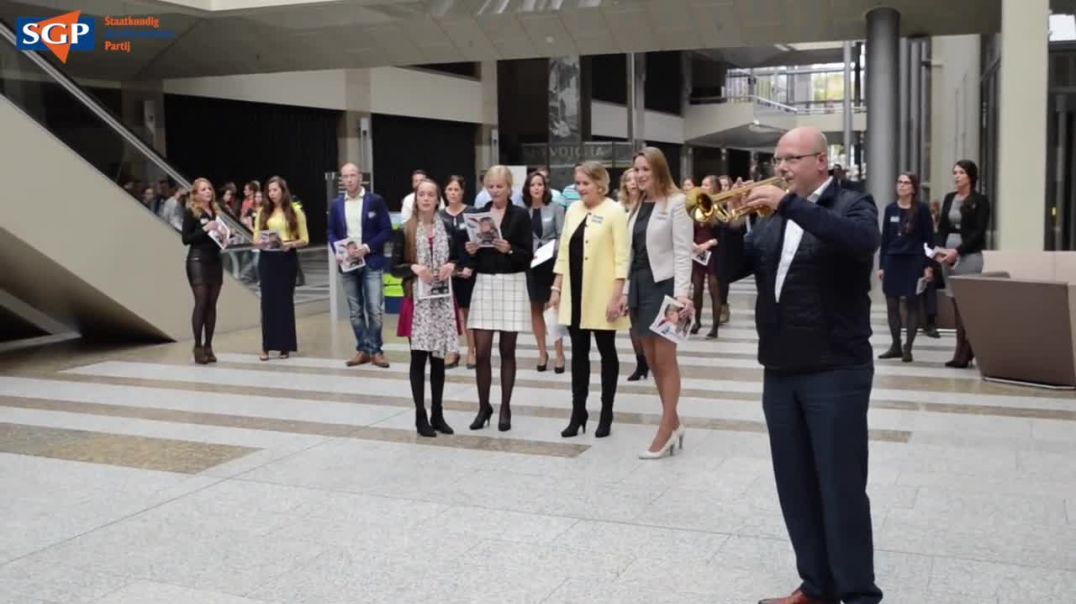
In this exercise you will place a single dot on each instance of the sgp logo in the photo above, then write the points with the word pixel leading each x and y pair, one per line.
pixel 60 34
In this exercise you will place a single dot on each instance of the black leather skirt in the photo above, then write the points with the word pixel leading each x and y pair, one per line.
pixel 204 268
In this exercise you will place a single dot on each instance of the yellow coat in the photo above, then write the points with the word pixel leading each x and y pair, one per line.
pixel 605 259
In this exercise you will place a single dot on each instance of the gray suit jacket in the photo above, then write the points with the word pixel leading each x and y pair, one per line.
pixel 552 224
pixel 669 241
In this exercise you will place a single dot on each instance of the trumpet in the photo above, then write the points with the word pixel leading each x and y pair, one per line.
pixel 710 208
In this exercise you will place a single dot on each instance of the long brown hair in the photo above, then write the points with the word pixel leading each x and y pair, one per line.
pixel 286 205
pixel 624 195
pixel 192 203
pixel 411 227
pixel 659 170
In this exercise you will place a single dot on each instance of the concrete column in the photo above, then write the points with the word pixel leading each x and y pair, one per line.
pixel 954 108
pixel 848 111
pixel 1020 203
pixel 903 93
pixel 636 100
pixel 883 31
pixel 565 118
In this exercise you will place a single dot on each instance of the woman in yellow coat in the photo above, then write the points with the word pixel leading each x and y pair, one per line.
pixel 591 267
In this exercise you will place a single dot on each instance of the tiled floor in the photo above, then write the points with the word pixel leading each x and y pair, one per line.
pixel 132 476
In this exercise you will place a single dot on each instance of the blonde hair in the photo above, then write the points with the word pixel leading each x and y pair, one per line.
pixel 624 195
pixel 596 173
pixel 192 199
pixel 498 171
pixel 659 170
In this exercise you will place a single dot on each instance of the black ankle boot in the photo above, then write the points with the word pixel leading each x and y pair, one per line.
pixel 641 369
pixel 605 422
pixel 906 353
pixel 437 421
pixel 577 423
pixel 422 425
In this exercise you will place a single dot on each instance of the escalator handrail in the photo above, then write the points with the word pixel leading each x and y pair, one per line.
pixel 105 115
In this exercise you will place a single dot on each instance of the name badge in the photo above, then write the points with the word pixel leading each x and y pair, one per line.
pixel 894 219
pixel 371 214
pixel 596 220
pixel 204 220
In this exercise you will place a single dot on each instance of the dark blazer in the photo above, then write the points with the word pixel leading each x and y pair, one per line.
pixel 823 319
pixel 974 221
pixel 903 234
pixel 402 260
pixel 516 230
pixel 376 226
pixel 201 244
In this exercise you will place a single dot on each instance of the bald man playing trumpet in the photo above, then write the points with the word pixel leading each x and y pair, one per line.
pixel 813 259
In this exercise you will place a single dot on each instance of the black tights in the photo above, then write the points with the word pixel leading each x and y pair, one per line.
pixel 893 311
pixel 204 316
pixel 606 340
pixel 483 342
pixel 418 380
pixel 715 295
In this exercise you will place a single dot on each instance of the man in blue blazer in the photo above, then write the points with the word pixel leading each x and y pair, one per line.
pixel 813 259
pixel 362 215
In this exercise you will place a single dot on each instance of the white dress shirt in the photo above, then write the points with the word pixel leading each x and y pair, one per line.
pixel 793 234
pixel 353 214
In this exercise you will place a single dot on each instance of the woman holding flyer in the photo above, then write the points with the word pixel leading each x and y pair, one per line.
pixel 424 255
pixel 500 302
pixel 906 228
pixel 463 280
pixel 279 230
pixel 547 222
pixel 204 271
pixel 594 257
pixel 660 270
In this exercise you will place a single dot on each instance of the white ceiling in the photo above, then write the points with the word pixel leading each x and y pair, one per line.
pixel 289 36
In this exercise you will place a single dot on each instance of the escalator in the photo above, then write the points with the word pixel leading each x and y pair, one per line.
pixel 74 245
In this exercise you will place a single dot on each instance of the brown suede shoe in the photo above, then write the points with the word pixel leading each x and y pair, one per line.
pixel 797 597
pixel 379 360
pixel 360 358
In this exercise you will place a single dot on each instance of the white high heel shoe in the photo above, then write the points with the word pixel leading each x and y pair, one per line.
pixel 669 448
pixel 680 430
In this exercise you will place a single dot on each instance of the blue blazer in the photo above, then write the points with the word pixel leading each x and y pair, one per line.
pixel 376 227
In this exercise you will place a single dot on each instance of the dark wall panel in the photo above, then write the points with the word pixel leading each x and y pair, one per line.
pixel 522 106
pixel 664 78
pixel 403 144
pixel 237 141
pixel 610 78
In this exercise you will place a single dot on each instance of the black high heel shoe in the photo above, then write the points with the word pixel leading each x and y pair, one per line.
pixel 482 419
pixel 504 421
pixel 695 328
pixel 577 423
pixel 542 366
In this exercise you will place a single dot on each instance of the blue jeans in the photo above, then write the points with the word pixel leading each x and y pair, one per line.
pixel 818 437
pixel 365 293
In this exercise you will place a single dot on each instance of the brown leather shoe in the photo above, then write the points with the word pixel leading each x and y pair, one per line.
pixel 360 358
pixel 379 360
pixel 797 597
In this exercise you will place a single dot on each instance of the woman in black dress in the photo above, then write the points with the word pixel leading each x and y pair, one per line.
pixel 906 228
pixel 204 271
pixel 705 274
pixel 547 222
pixel 463 281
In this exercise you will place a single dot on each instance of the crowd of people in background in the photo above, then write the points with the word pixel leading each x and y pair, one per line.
pixel 496 293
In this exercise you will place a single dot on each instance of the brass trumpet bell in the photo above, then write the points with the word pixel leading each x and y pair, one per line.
pixel 710 208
